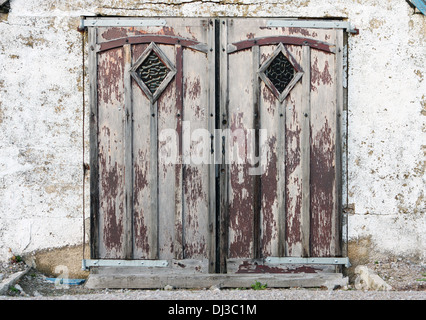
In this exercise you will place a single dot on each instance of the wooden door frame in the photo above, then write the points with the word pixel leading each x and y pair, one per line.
pixel 218 173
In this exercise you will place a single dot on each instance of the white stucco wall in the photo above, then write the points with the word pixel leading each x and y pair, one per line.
pixel 41 115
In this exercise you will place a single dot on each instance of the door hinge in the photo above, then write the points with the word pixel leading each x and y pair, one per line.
pixel 120 22
pixel 313 24
pixel 313 260
pixel 87 263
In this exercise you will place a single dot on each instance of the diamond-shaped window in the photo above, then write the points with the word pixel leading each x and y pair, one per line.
pixel 280 72
pixel 153 71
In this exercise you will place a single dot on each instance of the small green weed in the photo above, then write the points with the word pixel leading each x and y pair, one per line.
pixel 16 259
pixel 13 289
pixel 422 279
pixel 259 286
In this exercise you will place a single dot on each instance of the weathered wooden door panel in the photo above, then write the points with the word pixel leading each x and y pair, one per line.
pixel 324 235
pixel 111 153
pixel 165 186
pixel 291 208
pixel 294 121
pixel 153 94
pixel 241 201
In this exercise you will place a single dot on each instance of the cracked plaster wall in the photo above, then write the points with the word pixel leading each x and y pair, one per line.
pixel 41 94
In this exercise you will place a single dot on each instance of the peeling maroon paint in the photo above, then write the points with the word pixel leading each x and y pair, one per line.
pixel 166 105
pixel 141 182
pixel 166 120
pixel 320 77
pixel 146 39
pixel 140 173
pixel 193 89
pixel 141 193
pixel 111 179
pixel 110 71
pixel 241 215
pixel 293 190
pixel 269 96
pixel 253 267
pixel 293 134
pixel 111 166
pixel 137 51
pixel 192 185
pixel 168 31
pixel 239 135
pixel 114 33
pixel 302 31
pixel 322 191
pixel 315 44
pixel 122 32
pixel 269 197
pixel 263 58
pixel 194 192
pixel 189 30
pixel 179 167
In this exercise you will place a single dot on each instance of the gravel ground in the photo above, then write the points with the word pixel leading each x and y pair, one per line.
pixel 268 294
pixel 9 268
pixel 407 279
pixel 402 275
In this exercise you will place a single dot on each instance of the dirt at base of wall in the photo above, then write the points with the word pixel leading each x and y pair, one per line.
pixel 53 262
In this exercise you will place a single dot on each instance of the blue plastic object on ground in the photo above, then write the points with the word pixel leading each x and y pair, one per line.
pixel 67 281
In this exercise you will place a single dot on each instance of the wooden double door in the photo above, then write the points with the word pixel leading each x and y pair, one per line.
pixel 215 143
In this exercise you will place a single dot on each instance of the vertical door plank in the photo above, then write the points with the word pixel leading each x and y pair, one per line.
pixel 111 153
pixel 305 156
pixel 153 158
pixel 323 153
pixel 141 167
pixel 281 118
pixel 197 150
pixel 94 161
pixel 211 114
pixel 253 156
pixel 222 84
pixel 270 121
pixel 128 153
pixel 339 146
pixel 293 161
pixel 178 220
pixel 240 117
pixel 167 153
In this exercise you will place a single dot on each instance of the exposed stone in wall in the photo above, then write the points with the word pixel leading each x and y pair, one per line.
pixel 54 262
